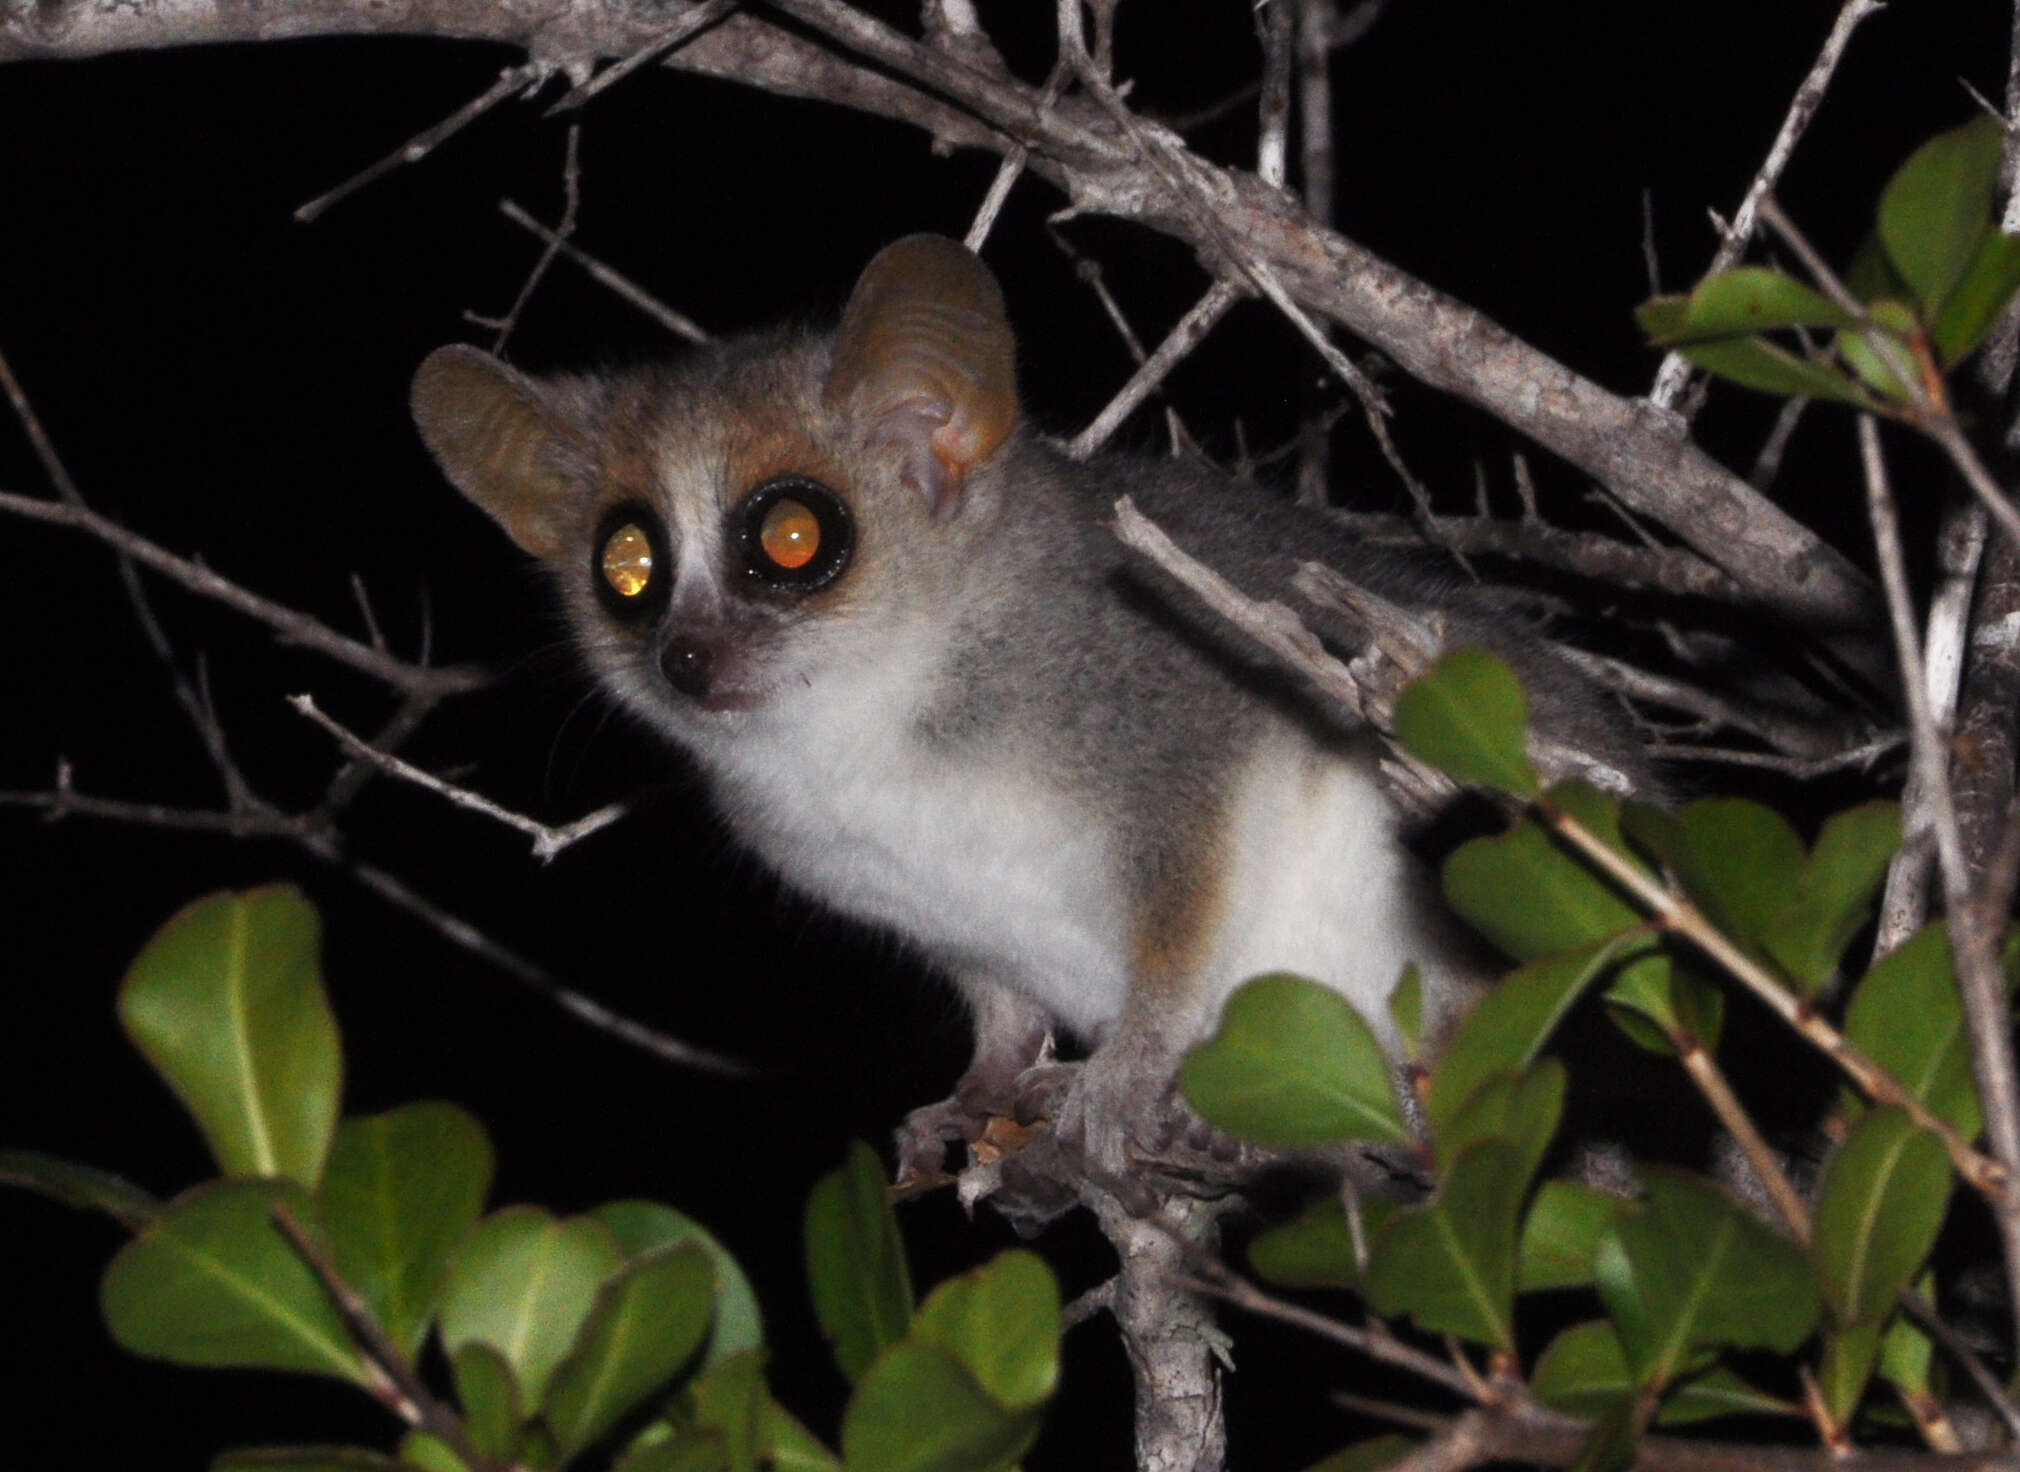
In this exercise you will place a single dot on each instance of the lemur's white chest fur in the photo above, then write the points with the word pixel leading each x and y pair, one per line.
pixel 992 869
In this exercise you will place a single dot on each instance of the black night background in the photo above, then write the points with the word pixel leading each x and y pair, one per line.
pixel 232 384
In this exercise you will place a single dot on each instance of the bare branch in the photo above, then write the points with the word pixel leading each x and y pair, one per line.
pixel 1274 23
pixel 547 841
pixel 571 189
pixel 400 1386
pixel 1793 737
pixel 1675 372
pixel 1318 21
pixel 196 705
pixel 1631 446
pixel 693 21
pixel 1979 980
pixel 603 275
pixel 512 79
pixel 297 628
pixel 1374 1341
pixel 1672 570
pixel 541 983
pixel 1182 339
pixel 1960 545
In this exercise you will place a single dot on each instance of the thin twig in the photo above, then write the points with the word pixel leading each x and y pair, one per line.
pixel 547 841
pixel 1860 757
pixel 696 19
pixel 1710 1080
pixel 1933 1324
pixel 1904 904
pixel 1374 1342
pixel 195 704
pixel 1672 570
pixel 512 79
pixel 297 628
pixel 571 190
pixel 992 203
pixel 410 1396
pixel 1767 465
pixel 309 832
pixel 1182 339
pixel 541 983
pixel 63 800
pixel 1795 738
pixel 1318 25
pixel 612 280
pixel 1274 24
pixel 1980 983
pixel 354 774
pixel 1088 269
pixel 1675 371
pixel 1678 916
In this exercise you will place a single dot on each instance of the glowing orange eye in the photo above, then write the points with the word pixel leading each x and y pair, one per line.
pixel 626 563
pixel 790 534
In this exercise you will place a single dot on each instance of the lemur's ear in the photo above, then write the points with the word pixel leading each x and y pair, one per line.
pixel 925 358
pixel 494 433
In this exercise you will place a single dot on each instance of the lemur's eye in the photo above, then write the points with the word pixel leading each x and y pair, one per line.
pixel 794 533
pixel 628 563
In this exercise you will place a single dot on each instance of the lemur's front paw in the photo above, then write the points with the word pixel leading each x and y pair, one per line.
pixel 923 1138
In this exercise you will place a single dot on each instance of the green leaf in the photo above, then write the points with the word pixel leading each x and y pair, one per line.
pixel 1938 206
pixel 1293 1064
pixel 1895 323
pixel 1845 1366
pixel 1734 858
pixel 1807 932
pixel 1871 277
pixel 1449 1263
pixel 1001 1322
pixel 1367 1456
pixel 648 1320
pixel 523 1282
pixel 1583 1371
pixel 489 1396
pixel 1906 1353
pixel 1528 894
pixel 641 1226
pixel 916 1409
pixel 1654 1000
pixel 690 1451
pixel 1688 1269
pixel 305 1459
pixel 1521 1108
pixel 1717 1391
pixel 1406 1011
pixel 1879 1206
pixel 791 1447
pixel 1466 716
pixel 1615 1440
pixel 226 1002
pixel 400 1191
pixel 1976 301
pixel 856 1262
pixel 1905 1015
pixel 213 1282
pixel 1315 1248
pixel 1507 1027
pixel 83 1186
pixel 1756 363
pixel 1560 1234
pixel 429 1453
pixel 730 1400
pixel 1735 303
